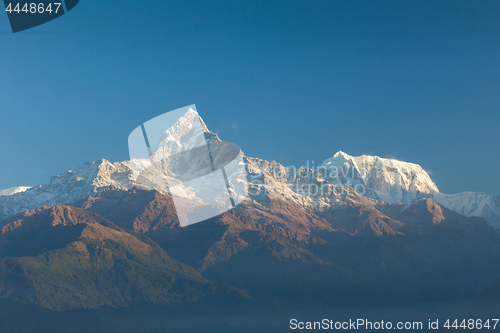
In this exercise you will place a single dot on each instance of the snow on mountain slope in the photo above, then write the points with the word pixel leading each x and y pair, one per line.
pixel 187 135
pixel 14 190
pixel 266 180
pixel 305 187
pixel 394 181
pixel 379 178
pixel 69 186
pixel 472 204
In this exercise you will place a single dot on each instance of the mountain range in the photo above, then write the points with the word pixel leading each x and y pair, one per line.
pixel 356 236
pixel 381 179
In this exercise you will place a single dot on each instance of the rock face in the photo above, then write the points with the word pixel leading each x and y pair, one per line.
pixel 340 180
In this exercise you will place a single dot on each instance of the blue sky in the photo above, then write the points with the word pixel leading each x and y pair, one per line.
pixel 286 80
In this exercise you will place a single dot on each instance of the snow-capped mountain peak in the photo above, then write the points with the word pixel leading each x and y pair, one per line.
pixel 340 154
pixel 379 178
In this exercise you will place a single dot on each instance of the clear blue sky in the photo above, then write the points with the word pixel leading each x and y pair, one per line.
pixel 286 80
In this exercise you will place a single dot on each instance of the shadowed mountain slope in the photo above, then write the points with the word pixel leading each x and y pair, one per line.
pixel 64 257
pixel 299 258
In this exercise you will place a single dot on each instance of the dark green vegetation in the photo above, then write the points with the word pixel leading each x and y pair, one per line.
pixel 120 262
